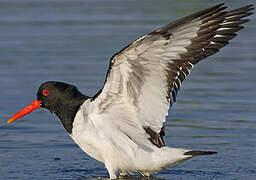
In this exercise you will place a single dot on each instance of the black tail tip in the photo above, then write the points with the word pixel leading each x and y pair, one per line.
pixel 199 153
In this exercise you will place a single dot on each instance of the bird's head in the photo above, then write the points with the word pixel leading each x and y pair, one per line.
pixel 58 97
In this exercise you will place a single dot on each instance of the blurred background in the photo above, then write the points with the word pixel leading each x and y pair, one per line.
pixel 72 41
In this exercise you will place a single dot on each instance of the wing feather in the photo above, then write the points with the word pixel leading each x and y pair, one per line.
pixel 144 78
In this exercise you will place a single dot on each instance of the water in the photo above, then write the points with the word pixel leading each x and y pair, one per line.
pixel 72 41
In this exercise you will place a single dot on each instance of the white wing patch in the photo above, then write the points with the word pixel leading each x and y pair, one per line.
pixel 145 76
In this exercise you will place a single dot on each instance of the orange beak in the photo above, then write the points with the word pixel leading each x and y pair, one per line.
pixel 34 105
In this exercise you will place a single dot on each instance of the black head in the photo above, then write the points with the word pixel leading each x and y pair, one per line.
pixel 60 98
pixel 52 95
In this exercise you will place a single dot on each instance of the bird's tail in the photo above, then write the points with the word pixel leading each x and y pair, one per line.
pixel 199 153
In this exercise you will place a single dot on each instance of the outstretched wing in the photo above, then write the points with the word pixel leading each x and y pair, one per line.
pixel 144 78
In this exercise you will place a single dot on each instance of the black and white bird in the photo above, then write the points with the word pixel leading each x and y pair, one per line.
pixel 122 125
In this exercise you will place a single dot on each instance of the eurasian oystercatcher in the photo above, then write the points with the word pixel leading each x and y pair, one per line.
pixel 122 125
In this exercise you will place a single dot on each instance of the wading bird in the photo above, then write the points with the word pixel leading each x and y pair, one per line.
pixel 122 125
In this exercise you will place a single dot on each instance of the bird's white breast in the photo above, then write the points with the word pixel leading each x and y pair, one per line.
pixel 85 135
pixel 105 142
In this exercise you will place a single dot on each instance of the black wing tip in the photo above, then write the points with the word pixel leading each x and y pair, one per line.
pixel 247 8
pixel 199 153
pixel 249 13
pixel 250 7
pixel 219 5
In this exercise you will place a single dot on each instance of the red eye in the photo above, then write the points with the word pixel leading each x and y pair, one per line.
pixel 46 92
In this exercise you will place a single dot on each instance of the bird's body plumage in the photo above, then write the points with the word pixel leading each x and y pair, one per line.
pixel 122 125
pixel 120 150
